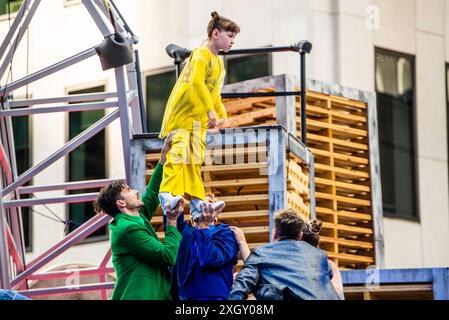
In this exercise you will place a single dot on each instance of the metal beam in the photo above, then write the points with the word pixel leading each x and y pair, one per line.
pixel 277 175
pixel 65 99
pixel 105 27
pixel 65 108
pixel 13 251
pixel 63 274
pixel 19 37
pixel 48 71
pixel 69 147
pixel 75 237
pixel 12 30
pixel 77 185
pixel 4 259
pixel 68 290
pixel 124 120
pixel 74 198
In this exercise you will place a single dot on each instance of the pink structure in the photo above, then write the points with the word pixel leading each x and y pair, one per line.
pixel 123 58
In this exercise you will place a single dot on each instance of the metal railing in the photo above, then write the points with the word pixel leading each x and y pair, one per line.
pixel 303 47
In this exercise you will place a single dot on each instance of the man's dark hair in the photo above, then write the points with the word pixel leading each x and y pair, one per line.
pixel 106 200
pixel 289 224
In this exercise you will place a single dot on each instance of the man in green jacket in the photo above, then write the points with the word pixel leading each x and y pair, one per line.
pixel 141 261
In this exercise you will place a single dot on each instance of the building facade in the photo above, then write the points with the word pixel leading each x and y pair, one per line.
pixel 396 48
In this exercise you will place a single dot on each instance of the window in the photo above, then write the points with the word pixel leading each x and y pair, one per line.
pixel 22 143
pixel 158 89
pixel 87 162
pixel 247 67
pixel 14 6
pixel 395 106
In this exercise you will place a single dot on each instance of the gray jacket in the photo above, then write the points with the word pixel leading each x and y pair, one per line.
pixel 287 269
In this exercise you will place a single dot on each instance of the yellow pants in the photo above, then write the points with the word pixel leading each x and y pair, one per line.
pixel 182 171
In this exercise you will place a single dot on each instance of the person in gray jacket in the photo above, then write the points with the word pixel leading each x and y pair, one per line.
pixel 286 269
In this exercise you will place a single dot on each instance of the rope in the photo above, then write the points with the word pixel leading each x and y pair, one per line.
pixel 56 218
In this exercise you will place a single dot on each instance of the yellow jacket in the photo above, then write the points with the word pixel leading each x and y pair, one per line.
pixel 196 92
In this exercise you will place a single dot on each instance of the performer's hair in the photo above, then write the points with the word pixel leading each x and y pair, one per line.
pixel 289 223
pixel 107 198
pixel 311 234
pixel 222 24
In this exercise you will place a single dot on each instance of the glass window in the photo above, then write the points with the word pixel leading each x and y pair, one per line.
pixel 87 162
pixel 395 106
pixel 247 67
pixel 159 86
pixel 158 89
pixel 14 6
pixel 22 143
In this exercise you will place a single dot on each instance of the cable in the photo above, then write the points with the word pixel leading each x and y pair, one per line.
pixel 67 222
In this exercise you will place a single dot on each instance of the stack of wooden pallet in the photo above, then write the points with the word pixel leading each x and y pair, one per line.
pixel 239 176
pixel 337 135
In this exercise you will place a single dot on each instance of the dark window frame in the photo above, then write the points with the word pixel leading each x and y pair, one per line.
pixel 150 73
pixel 412 58
pixel 13 12
pixel 71 90
pixel 235 57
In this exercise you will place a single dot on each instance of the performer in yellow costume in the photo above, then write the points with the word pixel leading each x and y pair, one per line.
pixel 193 107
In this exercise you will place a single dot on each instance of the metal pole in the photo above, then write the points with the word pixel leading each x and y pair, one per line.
pixel 66 149
pixel 15 25
pixel 65 99
pixel 124 119
pixel 14 214
pixel 76 185
pixel 99 20
pixel 134 96
pixel 65 108
pixel 143 114
pixel 74 198
pixel 48 71
pixel 19 37
pixel 68 290
pixel 178 69
pixel 303 99
pixel 4 258
pixel 75 237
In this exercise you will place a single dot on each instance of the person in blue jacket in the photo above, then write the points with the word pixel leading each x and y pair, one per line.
pixel 206 257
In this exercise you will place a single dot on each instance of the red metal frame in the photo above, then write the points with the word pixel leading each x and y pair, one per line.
pixel 10 243
pixel 73 238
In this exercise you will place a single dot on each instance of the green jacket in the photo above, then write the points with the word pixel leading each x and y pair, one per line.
pixel 141 261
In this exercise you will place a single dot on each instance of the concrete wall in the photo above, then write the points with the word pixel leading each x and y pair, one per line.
pixel 344 34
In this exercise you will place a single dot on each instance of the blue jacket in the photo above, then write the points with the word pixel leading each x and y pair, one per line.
pixel 205 262
pixel 285 270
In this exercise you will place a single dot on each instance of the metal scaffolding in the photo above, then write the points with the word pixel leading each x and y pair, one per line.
pixel 116 51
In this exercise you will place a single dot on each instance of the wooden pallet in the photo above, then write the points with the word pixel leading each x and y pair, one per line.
pixel 239 177
pixel 243 186
pixel 337 135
